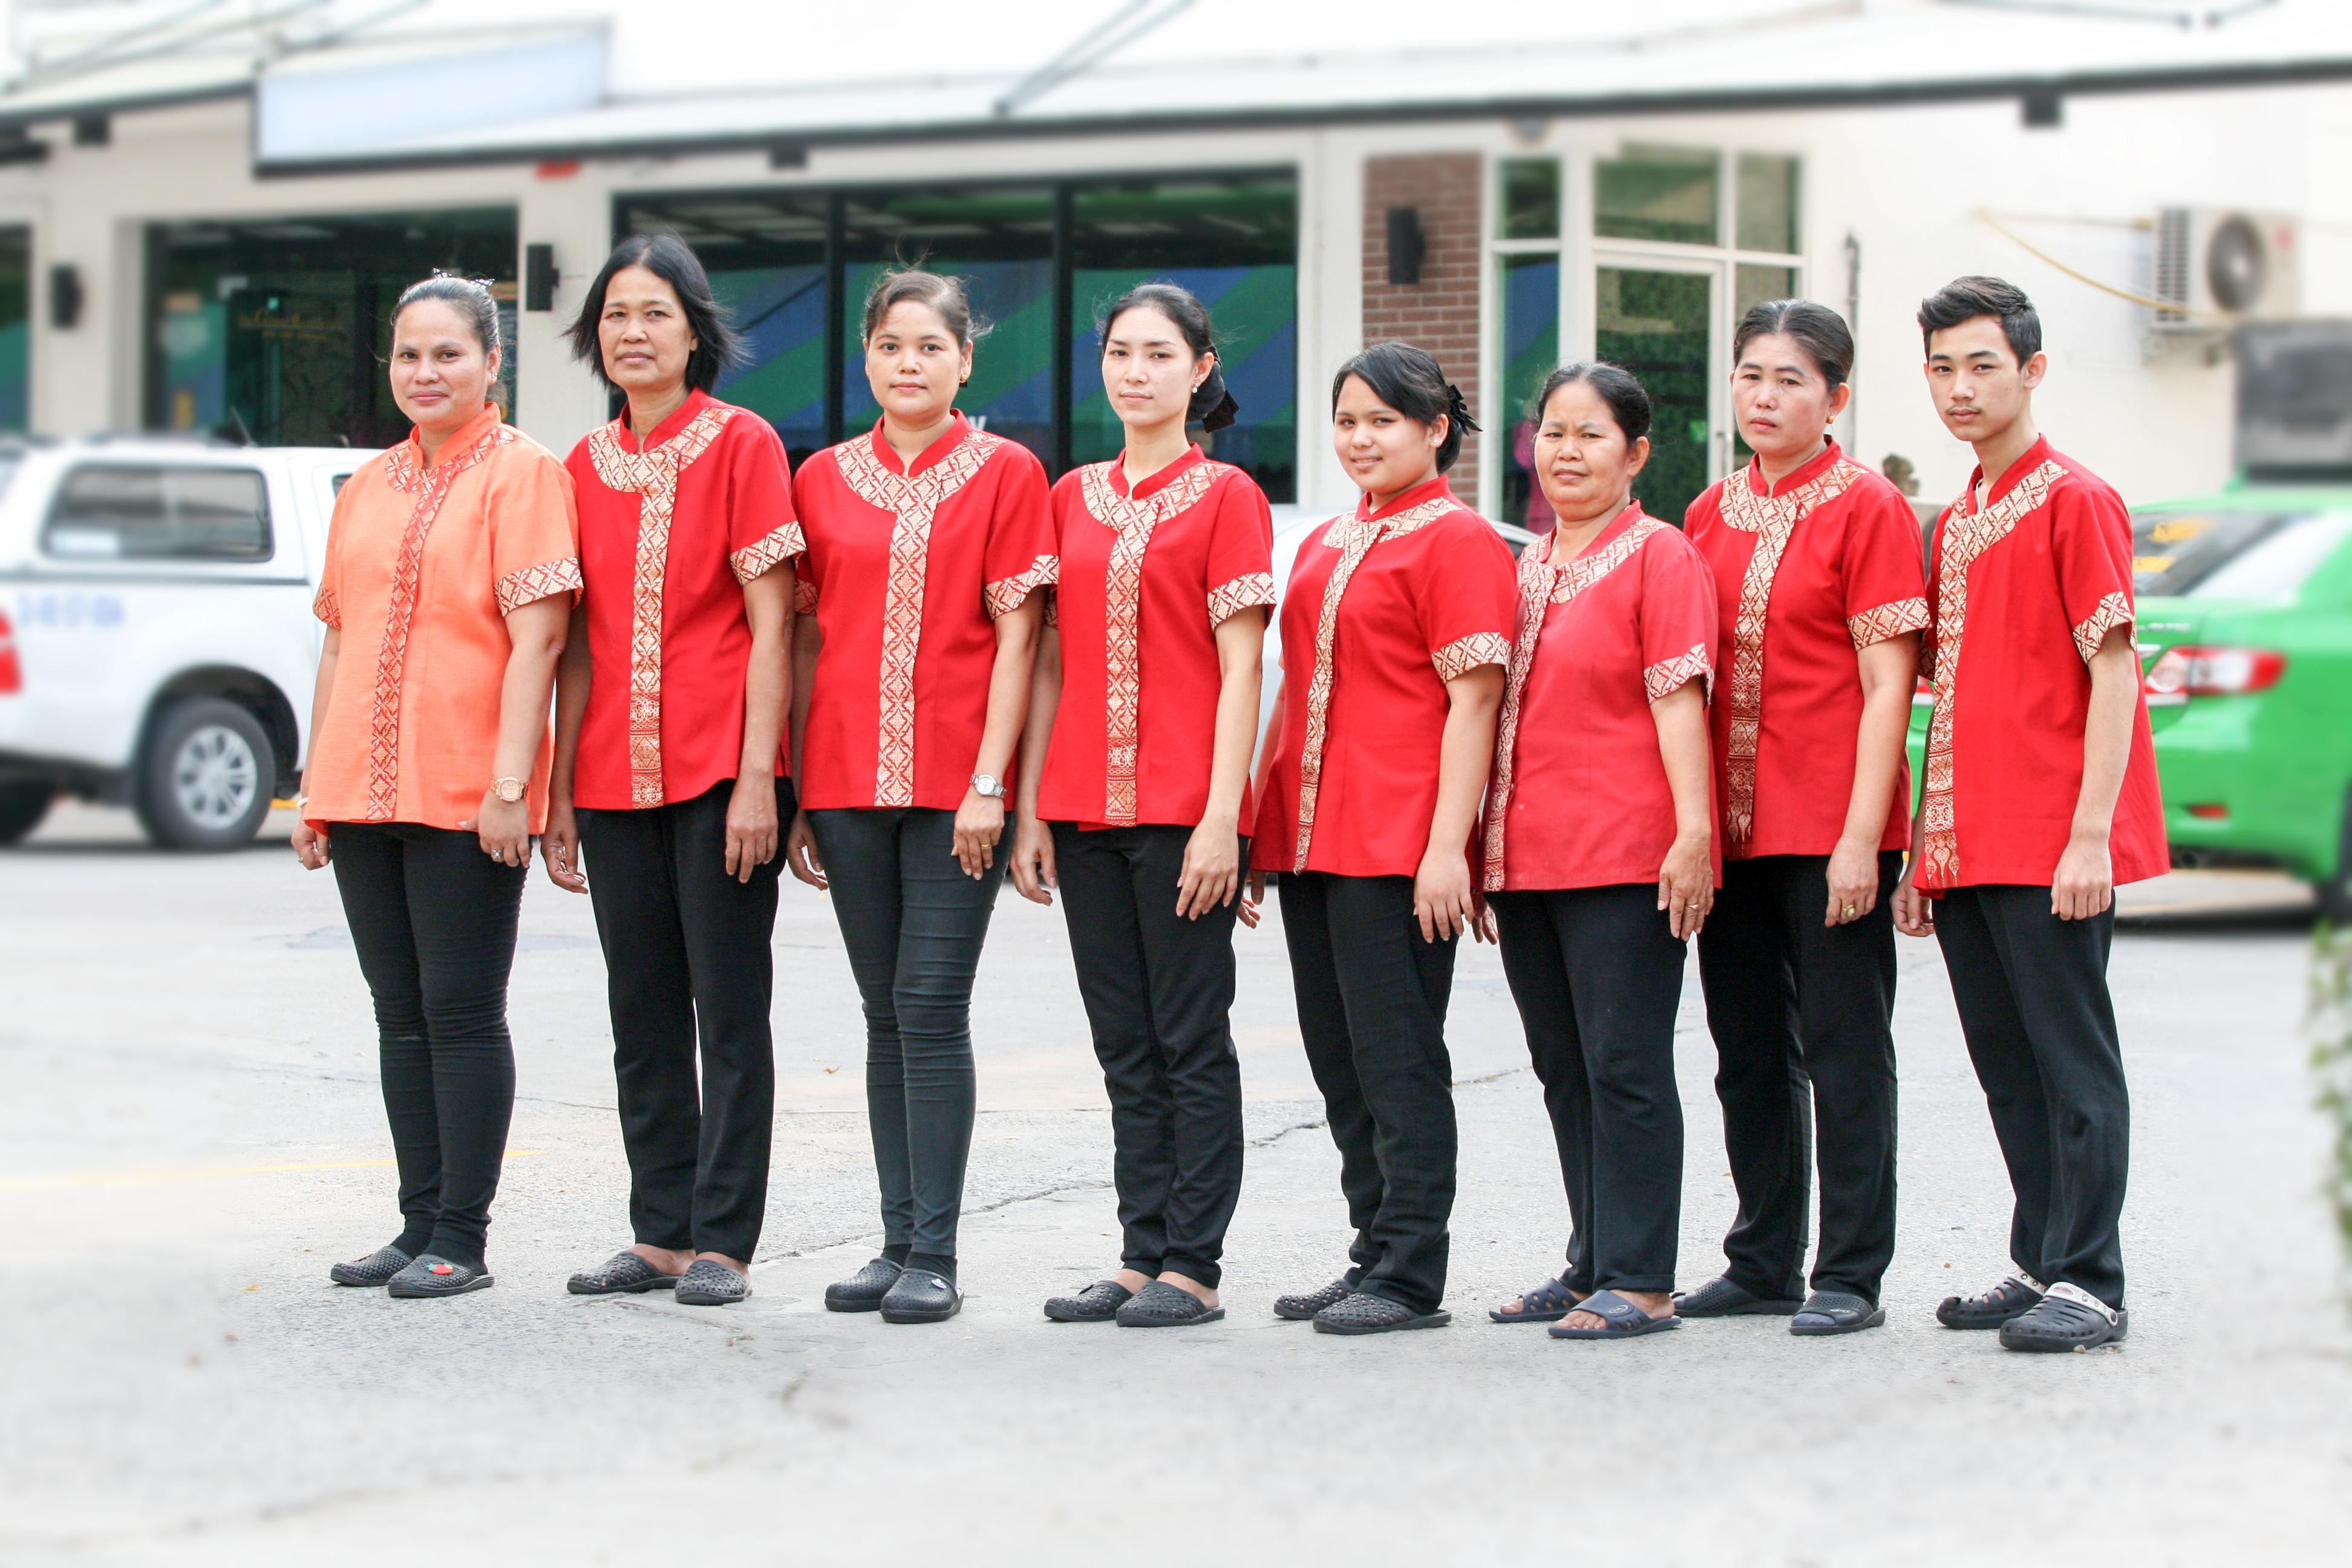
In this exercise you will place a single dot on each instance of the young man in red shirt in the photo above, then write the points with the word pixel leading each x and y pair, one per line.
pixel 2041 799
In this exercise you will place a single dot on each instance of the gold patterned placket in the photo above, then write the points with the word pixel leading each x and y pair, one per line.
pixel 1773 520
pixel 652 474
pixel 912 501
pixel 404 473
pixel 1131 523
pixel 1542 585
pixel 1967 534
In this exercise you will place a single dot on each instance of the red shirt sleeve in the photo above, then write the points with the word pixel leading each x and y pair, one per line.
pixel 1935 593
pixel 534 533
pixel 1241 550
pixel 1022 555
pixel 1469 597
pixel 1677 616
pixel 804 587
pixel 1886 578
pixel 762 528
pixel 2091 545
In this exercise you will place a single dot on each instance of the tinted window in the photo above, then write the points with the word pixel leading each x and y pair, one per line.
pixel 2275 566
pixel 121 512
pixel 2173 552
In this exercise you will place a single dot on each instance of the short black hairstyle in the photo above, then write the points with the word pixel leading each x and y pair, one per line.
pixel 1409 380
pixel 1820 331
pixel 1628 399
pixel 1965 298
pixel 718 347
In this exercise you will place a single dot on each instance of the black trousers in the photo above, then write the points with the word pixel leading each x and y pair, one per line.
pixel 2041 1027
pixel 913 923
pixel 1805 1057
pixel 1598 975
pixel 1371 1008
pixel 686 954
pixel 433 919
pixel 1159 992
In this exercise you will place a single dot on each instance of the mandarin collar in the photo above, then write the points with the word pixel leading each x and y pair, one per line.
pixel 1432 489
pixel 696 402
pixel 958 428
pixel 461 440
pixel 2035 456
pixel 1158 480
pixel 1815 467
pixel 1627 516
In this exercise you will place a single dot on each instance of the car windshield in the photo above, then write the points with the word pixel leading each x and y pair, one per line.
pixel 2230 555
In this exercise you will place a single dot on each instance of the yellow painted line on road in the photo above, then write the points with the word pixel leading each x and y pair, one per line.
pixel 156 1178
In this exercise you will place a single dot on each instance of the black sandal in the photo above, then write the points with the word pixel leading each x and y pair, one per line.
pixel 1161 1305
pixel 2067 1319
pixel 707 1282
pixel 1097 1303
pixel 921 1296
pixel 376 1268
pixel 1299 1308
pixel 2012 1298
pixel 431 1276
pixel 1361 1313
pixel 1720 1298
pixel 1836 1312
pixel 1547 1304
pixel 863 1291
pixel 625 1274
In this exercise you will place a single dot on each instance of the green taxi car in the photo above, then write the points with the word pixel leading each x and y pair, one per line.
pixel 2245 644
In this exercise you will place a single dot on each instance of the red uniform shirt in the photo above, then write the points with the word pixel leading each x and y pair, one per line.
pixel 670 533
pixel 1807 573
pixel 1381 611
pixel 1579 797
pixel 1144 578
pixel 907 571
pixel 2024 588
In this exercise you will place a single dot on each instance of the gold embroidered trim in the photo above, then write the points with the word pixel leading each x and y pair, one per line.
pixel 529 584
pixel 1891 619
pixel 1353 538
pixel 1248 592
pixel 392 658
pixel 912 503
pixel 2114 610
pixel 1007 594
pixel 1132 522
pixel 1669 676
pixel 1463 655
pixel 1773 520
pixel 1967 534
pixel 1541 586
pixel 652 474
pixel 757 559
pixel 328 608
pixel 805 597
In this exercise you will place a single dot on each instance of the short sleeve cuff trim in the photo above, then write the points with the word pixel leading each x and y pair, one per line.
pixel 2113 611
pixel 1888 620
pixel 1007 594
pixel 328 608
pixel 756 560
pixel 1247 592
pixel 1669 676
pixel 532 584
pixel 805 597
pixel 1463 655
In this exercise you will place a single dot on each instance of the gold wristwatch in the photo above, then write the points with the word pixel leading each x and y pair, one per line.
pixel 508 790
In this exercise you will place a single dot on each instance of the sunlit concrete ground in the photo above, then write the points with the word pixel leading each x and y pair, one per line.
pixel 190 1134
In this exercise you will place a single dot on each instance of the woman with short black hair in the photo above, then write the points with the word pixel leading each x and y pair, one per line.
pixel 668 748
pixel 1394 632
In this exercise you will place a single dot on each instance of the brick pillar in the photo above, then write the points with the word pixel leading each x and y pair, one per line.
pixel 1441 313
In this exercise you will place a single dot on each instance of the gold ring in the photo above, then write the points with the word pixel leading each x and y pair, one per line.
pixel 1849 911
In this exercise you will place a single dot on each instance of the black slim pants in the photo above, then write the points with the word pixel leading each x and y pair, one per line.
pixel 913 923
pixel 1371 1007
pixel 433 919
pixel 1805 1058
pixel 1598 975
pixel 1159 990
pixel 2032 995
pixel 686 954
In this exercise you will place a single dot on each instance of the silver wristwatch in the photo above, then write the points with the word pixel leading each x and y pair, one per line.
pixel 988 784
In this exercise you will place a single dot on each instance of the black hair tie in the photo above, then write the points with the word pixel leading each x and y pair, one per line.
pixel 1458 409
pixel 1213 407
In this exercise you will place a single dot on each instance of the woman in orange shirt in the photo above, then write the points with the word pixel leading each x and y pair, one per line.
pixel 451 567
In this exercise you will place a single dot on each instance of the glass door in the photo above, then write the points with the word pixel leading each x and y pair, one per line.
pixel 1660 319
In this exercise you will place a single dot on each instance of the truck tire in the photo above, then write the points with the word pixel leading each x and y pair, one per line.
pixel 2336 893
pixel 22 806
pixel 206 776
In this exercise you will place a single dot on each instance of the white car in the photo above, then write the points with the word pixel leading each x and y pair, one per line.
pixel 156 643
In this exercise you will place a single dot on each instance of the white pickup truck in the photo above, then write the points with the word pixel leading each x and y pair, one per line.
pixel 156 642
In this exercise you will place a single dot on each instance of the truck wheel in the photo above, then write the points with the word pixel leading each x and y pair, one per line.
pixel 22 806
pixel 2336 893
pixel 206 778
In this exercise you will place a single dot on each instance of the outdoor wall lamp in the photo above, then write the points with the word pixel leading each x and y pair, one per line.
pixel 538 276
pixel 65 296
pixel 1407 244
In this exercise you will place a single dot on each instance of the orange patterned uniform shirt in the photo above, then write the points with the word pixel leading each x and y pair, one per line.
pixel 423 566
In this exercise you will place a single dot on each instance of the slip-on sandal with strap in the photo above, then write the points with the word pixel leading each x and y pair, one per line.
pixel 1097 1303
pixel 863 1291
pixel 626 1274
pixel 1302 1306
pixel 2012 1298
pixel 1836 1312
pixel 707 1282
pixel 1161 1305
pixel 2067 1319
pixel 431 1275
pixel 920 1296
pixel 1361 1313
pixel 1624 1321
pixel 1720 1298
pixel 376 1268
pixel 1547 1304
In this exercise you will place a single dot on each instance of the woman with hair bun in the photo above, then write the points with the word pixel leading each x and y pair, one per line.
pixel 1599 847
pixel 1395 628
pixel 931 546
pixel 1135 785
pixel 1822 597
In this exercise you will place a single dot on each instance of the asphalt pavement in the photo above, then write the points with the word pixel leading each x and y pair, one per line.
pixel 191 1132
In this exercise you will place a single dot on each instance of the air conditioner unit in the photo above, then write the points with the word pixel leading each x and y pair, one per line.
pixel 2216 267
